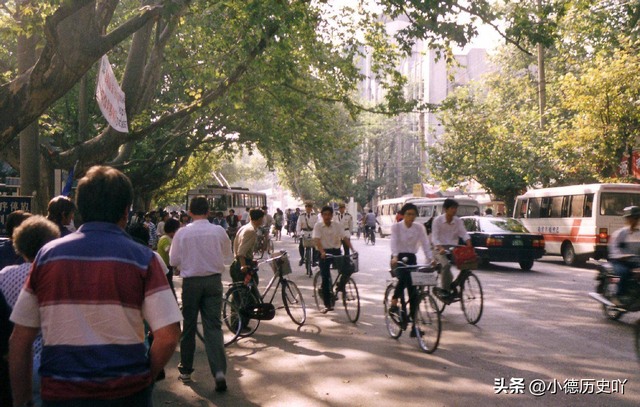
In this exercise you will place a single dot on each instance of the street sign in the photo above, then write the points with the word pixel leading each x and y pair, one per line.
pixel 10 204
pixel 417 190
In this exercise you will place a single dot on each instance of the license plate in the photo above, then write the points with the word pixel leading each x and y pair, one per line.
pixel 517 242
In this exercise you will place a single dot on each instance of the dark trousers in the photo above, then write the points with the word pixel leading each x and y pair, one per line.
pixel 139 399
pixel 202 295
pixel 170 280
pixel 301 250
pixel 325 272
pixel 404 280
pixel 346 249
pixel 622 270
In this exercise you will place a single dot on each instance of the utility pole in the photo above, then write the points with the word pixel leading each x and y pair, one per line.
pixel 399 183
pixel 542 87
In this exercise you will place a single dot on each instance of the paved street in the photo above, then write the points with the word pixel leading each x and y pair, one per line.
pixel 536 325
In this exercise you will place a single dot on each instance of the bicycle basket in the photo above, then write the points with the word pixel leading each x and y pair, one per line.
pixel 281 265
pixel 262 311
pixel 308 242
pixel 465 258
pixel 346 264
pixel 424 276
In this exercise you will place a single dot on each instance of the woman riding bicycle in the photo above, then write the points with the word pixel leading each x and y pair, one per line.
pixel 405 239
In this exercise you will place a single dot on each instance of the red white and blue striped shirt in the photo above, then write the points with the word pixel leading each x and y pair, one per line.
pixel 89 292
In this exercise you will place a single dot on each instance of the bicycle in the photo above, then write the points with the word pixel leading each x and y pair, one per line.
pixel 263 243
pixel 253 308
pixel 426 321
pixel 369 235
pixel 231 325
pixel 470 294
pixel 359 230
pixel 309 245
pixel 343 283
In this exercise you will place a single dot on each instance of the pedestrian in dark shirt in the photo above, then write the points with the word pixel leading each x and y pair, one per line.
pixel 60 211
pixel 8 255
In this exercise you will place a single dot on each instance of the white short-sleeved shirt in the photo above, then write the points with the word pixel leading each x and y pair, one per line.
pixel 447 234
pixel 330 236
pixel 408 240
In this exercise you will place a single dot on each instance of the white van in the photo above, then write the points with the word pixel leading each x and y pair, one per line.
pixel 431 207
pixel 576 221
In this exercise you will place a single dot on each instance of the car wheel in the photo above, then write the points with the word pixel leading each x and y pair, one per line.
pixel 570 257
pixel 526 265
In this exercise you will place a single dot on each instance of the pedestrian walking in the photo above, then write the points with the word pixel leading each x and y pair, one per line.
pixel 28 239
pixel 89 293
pixel 198 250
pixel 8 255
pixel 60 211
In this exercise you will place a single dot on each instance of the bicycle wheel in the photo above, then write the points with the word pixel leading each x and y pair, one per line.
pixel 637 332
pixel 435 293
pixel 471 298
pixel 393 325
pixel 242 297
pixel 293 302
pixel 427 323
pixel 373 237
pixel 308 261
pixel 317 291
pixel 351 300
pixel 231 322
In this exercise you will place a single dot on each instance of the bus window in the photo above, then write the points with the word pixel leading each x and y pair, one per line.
pixel 521 208
pixel 588 206
pixel 577 206
pixel 613 204
pixel 557 206
pixel 545 207
pixel 534 208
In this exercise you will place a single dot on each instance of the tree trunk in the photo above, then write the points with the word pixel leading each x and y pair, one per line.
pixel 29 138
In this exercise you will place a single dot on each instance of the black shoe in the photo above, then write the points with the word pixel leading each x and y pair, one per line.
pixel 221 382
pixel 301 262
pixel 314 264
pixel 412 334
pixel 394 310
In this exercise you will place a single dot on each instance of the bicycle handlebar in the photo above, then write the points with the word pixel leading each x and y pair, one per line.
pixel 352 255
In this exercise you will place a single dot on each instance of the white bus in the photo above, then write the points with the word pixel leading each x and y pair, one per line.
pixel 431 207
pixel 386 213
pixel 576 221
pixel 221 199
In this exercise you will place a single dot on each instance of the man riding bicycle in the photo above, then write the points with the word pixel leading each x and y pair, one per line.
pixel 625 244
pixel 242 267
pixel 306 222
pixel 328 236
pixel 406 237
pixel 446 231
pixel 370 222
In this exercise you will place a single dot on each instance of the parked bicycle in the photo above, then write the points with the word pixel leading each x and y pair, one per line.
pixel 343 284
pixel 253 307
pixel 465 288
pixel 426 318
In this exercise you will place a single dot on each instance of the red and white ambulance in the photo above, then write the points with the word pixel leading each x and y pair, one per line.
pixel 576 221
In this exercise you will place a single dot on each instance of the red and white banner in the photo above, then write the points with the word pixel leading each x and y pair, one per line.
pixel 630 167
pixel 110 97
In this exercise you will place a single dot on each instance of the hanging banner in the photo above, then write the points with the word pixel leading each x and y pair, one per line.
pixel 110 97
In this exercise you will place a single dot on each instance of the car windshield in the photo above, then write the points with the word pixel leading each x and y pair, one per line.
pixel 613 203
pixel 466 210
pixel 497 225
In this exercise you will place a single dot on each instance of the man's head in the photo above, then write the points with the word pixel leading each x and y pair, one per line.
pixel 256 216
pixel 219 214
pixel 409 212
pixel 14 219
pixel 370 210
pixel 632 215
pixel 199 206
pixel 264 209
pixel 450 207
pixel 32 234
pixel 308 206
pixel 171 227
pixel 327 213
pixel 184 218
pixel 60 210
pixel 488 211
pixel 165 216
pixel 104 194
pixel 248 209
pixel 342 207
pixel 231 212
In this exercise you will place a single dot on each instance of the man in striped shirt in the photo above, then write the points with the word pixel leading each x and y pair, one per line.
pixel 89 292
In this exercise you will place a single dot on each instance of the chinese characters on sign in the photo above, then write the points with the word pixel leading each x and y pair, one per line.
pixel 548 229
pixel 10 204
pixel 110 98
pixel 538 387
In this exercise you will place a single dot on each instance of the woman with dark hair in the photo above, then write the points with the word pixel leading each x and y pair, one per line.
pixel 60 211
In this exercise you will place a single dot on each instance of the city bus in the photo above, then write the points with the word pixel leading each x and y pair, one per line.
pixel 576 221
pixel 386 213
pixel 224 198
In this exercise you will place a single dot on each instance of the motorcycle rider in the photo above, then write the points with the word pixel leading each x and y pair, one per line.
pixel 624 244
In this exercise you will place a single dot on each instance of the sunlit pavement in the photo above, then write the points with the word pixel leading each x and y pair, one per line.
pixel 537 326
